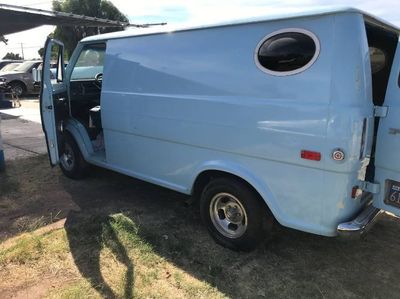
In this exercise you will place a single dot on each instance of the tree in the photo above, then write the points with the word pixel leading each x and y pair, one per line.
pixel 41 52
pixel 69 35
pixel 12 56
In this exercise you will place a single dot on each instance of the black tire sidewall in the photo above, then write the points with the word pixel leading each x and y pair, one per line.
pixel 252 204
pixel 14 84
pixel 79 168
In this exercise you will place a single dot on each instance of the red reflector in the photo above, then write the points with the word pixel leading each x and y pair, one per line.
pixel 309 155
pixel 355 192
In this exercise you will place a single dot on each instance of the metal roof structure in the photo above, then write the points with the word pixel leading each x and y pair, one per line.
pixel 17 18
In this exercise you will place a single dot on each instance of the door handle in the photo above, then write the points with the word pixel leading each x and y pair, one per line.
pixel 394 131
pixel 50 107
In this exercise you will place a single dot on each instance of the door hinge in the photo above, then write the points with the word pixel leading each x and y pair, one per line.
pixel 380 111
pixel 373 188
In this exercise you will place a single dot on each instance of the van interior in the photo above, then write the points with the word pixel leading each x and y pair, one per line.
pixel 85 91
pixel 382 44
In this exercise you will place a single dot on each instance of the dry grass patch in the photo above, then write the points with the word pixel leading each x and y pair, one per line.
pixel 108 259
pixel 29 197
pixel 125 238
pixel 76 290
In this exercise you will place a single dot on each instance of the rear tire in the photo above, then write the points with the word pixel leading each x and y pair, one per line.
pixel 234 214
pixel 72 163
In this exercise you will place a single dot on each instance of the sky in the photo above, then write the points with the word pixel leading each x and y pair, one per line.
pixel 176 12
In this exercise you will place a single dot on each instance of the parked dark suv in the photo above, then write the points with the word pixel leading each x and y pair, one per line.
pixel 20 79
pixel 4 62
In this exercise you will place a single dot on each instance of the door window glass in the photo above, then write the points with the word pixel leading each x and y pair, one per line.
pixel 90 62
pixel 378 59
pixel 56 65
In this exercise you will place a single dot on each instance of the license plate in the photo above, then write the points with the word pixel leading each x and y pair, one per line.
pixel 392 194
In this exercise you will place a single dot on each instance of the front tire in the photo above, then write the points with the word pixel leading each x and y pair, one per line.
pixel 18 88
pixel 234 214
pixel 72 163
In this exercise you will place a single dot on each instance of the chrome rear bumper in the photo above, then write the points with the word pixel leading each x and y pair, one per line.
pixel 361 224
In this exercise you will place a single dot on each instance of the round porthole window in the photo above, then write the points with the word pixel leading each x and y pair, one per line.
pixel 287 52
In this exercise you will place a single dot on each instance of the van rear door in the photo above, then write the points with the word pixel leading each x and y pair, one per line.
pixel 387 156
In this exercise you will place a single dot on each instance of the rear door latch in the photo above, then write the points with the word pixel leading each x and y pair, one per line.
pixel 373 188
pixel 380 111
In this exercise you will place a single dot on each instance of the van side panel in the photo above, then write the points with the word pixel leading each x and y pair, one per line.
pixel 176 104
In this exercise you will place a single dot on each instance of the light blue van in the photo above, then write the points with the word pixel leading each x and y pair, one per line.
pixel 293 118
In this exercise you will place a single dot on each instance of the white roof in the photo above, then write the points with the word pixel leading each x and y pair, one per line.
pixel 167 28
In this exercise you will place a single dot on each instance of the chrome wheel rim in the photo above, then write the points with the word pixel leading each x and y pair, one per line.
pixel 18 90
pixel 68 158
pixel 228 215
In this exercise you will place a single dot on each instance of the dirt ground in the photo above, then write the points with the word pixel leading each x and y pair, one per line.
pixel 111 236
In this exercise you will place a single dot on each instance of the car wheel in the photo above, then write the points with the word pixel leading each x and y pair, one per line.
pixel 72 163
pixel 18 88
pixel 234 214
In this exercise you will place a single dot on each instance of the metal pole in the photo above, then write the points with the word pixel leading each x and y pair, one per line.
pixel 22 50
pixel 2 163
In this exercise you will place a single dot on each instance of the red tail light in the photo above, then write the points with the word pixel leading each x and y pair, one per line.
pixel 356 192
pixel 310 155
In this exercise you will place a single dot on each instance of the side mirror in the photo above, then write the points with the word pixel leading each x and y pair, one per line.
pixel 37 75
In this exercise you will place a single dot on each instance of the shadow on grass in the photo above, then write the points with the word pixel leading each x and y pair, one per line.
pixel 87 241
pixel 289 264
pixel 9 183
pixel 94 227
pixel 30 196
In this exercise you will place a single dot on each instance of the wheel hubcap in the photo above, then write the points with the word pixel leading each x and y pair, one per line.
pixel 17 90
pixel 68 158
pixel 228 215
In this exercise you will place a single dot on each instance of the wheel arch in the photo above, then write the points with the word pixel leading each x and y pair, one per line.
pixel 219 169
pixel 19 82
pixel 77 131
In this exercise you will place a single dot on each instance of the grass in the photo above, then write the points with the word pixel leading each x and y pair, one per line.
pixel 76 290
pixel 117 244
pixel 29 248
pixel 123 238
